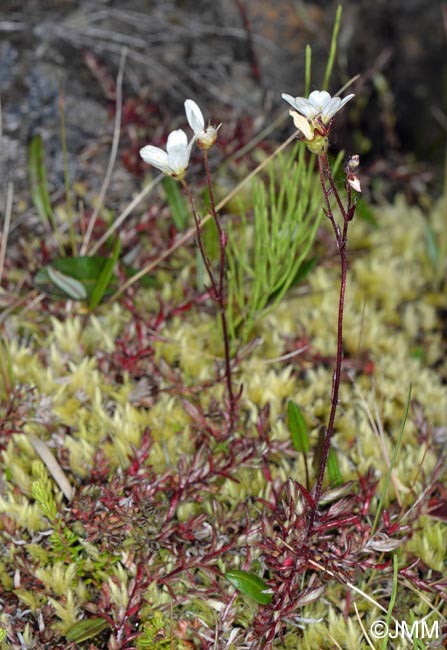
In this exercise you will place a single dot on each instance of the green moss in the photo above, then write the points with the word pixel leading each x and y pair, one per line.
pixel 81 408
pixel 428 543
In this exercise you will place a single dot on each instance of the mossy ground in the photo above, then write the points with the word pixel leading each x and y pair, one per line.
pixel 129 405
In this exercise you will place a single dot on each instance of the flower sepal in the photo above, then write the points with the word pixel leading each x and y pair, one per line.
pixel 319 145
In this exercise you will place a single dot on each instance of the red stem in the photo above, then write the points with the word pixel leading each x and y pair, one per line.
pixel 223 318
pixel 341 239
pixel 217 287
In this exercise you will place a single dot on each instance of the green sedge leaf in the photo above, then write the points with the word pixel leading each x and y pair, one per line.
pixel 297 427
pixel 38 180
pixel 176 203
pixel 86 629
pixel 333 469
pixel 105 277
pixel 71 287
pixel 250 585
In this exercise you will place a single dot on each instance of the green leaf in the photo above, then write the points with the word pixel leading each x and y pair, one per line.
pixel 86 629
pixel 38 180
pixel 67 284
pixel 250 585
pixel 105 277
pixel 85 270
pixel 297 427
pixel 176 203
pixel 333 469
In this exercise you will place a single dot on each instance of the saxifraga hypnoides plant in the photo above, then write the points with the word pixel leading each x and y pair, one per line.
pixel 313 118
pixel 174 162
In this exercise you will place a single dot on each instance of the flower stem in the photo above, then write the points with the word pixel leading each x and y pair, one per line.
pixel 223 318
pixel 218 287
pixel 341 239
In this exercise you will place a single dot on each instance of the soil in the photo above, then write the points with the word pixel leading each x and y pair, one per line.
pixel 235 58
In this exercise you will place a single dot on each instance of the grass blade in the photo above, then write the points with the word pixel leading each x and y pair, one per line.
pixel 104 278
pixel 38 181
pixel 333 49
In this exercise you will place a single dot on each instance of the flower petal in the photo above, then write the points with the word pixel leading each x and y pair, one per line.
pixel 289 99
pixel 319 99
pixel 176 138
pixel 346 99
pixel 194 116
pixel 178 151
pixel 305 108
pixel 156 157
pixel 330 109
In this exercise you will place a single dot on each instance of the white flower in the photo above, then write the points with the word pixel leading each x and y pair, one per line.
pixel 319 105
pixel 205 137
pixel 174 161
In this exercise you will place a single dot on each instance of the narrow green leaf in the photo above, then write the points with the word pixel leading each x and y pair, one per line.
pixel 86 629
pixel 333 469
pixel 67 284
pixel 176 203
pixel 308 68
pixel 38 180
pixel 250 585
pixel 297 427
pixel 105 277
pixel 333 48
